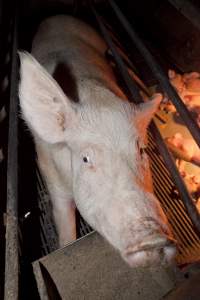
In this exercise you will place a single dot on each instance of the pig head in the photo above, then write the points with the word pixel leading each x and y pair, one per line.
pixel 91 153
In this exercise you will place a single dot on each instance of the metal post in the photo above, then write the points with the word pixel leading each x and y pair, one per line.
pixel 11 257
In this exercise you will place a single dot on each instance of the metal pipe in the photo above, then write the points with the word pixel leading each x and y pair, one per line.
pixel 169 162
pixel 130 69
pixel 159 74
pixel 132 89
pixel 11 258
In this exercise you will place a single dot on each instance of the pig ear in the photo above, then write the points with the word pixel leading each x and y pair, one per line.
pixel 44 106
pixel 145 111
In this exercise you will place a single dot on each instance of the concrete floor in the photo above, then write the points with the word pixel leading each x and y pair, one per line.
pixel 187 290
pixel 91 269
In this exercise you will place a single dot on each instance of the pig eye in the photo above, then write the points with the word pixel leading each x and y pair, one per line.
pixel 141 149
pixel 86 159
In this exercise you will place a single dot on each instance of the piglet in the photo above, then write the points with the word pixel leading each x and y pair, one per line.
pixel 90 142
pixel 188 88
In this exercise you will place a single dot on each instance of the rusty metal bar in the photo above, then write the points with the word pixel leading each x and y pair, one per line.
pixel 169 162
pixel 159 74
pixel 11 257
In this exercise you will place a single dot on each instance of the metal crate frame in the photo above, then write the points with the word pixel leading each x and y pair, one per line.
pixel 12 247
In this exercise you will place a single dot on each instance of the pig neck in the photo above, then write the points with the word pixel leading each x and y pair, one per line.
pixel 99 92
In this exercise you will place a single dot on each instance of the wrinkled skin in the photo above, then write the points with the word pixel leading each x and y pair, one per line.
pixel 91 153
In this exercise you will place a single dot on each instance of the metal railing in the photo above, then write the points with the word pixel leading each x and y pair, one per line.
pixel 135 97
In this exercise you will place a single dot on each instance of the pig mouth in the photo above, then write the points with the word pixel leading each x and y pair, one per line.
pixel 152 251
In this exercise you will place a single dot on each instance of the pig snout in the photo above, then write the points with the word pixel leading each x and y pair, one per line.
pixel 150 249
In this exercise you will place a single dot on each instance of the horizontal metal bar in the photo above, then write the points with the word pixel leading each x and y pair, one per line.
pixel 159 74
pixel 169 162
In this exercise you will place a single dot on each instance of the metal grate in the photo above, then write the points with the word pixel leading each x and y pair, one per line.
pixel 188 243
pixel 48 232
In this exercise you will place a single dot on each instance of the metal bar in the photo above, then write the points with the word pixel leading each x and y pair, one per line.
pixel 180 185
pixel 189 10
pixel 159 74
pixel 141 86
pixel 11 257
pixel 132 89
pixel 169 162
pixel 130 69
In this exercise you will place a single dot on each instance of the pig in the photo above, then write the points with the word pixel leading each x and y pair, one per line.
pixel 188 88
pixel 90 142
pixel 186 146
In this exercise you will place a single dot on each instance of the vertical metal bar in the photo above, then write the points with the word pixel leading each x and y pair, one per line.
pixel 169 162
pixel 1 16
pixel 159 74
pixel 11 257
pixel 1 33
